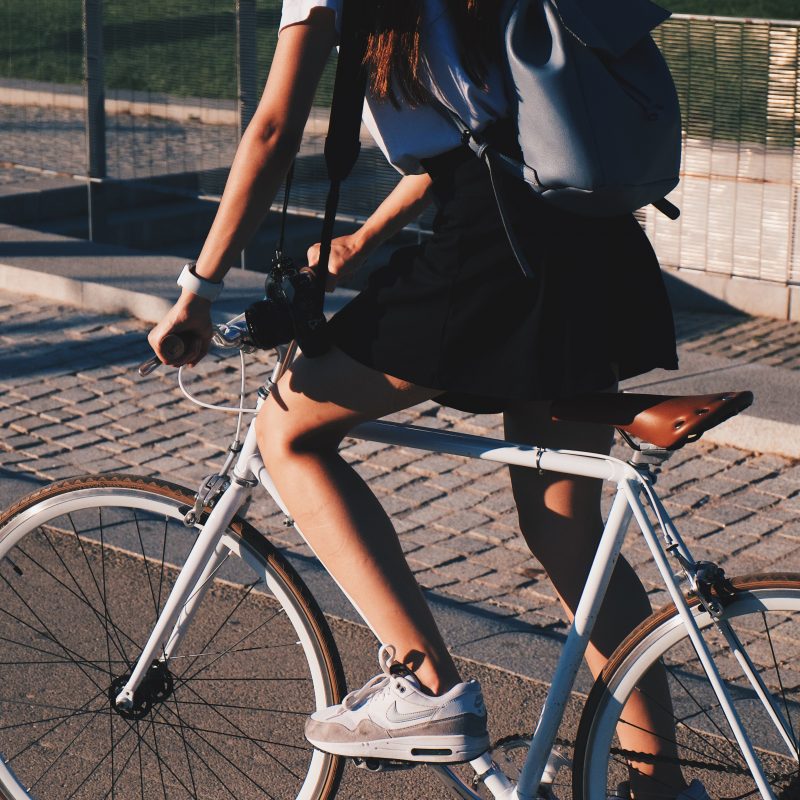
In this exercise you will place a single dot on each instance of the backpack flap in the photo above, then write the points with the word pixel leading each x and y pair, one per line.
pixel 598 114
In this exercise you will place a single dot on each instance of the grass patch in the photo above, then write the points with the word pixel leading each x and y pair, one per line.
pixel 178 47
pixel 764 9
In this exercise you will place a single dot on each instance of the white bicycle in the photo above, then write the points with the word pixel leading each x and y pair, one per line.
pixel 155 645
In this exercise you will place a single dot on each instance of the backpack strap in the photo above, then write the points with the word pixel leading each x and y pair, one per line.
pixel 495 160
pixel 342 143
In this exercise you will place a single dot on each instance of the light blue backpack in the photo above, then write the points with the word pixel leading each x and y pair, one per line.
pixel 597 112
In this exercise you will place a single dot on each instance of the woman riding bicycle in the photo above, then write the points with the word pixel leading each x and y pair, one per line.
pixel 453 320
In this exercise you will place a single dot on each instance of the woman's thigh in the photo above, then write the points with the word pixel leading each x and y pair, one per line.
pixel 558 513
pixel 317 401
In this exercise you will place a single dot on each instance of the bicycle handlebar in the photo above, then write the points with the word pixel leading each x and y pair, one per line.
pixel 228 336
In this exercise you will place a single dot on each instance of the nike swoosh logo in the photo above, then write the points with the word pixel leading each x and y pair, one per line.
pixel 393 715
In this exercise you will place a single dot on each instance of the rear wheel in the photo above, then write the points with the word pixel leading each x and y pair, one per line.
pixel 85 567
pixel 765 615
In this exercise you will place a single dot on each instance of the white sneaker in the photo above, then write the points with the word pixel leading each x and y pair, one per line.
pixel 391 717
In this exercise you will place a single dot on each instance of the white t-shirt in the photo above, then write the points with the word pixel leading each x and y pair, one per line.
pixel 405 134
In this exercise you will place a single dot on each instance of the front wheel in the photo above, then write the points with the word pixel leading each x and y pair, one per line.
pixel 692 739
pixel 85 567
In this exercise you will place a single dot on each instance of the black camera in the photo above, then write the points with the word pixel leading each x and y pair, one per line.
pixel 291 309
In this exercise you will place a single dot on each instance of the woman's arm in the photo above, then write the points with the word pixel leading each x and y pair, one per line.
pixel 262 159
pixel 403 205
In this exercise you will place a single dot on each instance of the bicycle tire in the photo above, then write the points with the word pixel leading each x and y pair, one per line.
pixel 84 565
pixel 764 611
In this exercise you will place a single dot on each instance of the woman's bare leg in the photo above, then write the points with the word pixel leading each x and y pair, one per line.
pixel 299 430
pixel 560 520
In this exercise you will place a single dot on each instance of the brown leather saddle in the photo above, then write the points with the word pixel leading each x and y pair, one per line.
pixel 668 421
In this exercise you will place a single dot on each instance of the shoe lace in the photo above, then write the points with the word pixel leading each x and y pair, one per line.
pixel 386 655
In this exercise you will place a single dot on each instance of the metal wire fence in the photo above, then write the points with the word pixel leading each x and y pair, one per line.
pixel 172 83
pixel 739 84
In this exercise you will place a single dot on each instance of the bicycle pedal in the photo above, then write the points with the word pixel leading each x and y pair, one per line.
pixel 382 764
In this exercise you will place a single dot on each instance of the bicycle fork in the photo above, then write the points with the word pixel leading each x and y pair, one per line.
pixel 201 564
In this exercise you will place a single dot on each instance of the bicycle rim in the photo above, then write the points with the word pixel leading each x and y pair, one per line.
pixel 84 566
pixel 765 616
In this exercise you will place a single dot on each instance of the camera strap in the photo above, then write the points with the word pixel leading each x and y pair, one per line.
pixel 342 144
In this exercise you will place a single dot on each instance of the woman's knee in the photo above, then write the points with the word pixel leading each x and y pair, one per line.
pixel 283 433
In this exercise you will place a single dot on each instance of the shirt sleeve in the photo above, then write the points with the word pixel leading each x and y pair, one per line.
pixel 295 11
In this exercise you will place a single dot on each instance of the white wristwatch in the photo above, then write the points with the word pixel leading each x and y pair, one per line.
pixel 208 290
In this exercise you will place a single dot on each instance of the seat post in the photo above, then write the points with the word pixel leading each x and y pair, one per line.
pixel 648 459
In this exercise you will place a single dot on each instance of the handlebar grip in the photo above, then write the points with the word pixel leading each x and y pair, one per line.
pixel 172 345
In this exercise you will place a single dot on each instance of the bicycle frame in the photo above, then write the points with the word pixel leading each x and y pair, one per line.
pixel 249 471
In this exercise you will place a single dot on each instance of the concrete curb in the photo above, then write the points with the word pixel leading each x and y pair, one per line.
pixel 83 294
pixel 744 432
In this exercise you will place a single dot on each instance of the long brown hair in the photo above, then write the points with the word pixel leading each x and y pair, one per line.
pixel 393 48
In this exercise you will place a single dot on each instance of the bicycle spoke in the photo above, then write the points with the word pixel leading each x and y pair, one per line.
pixel 61 754
pixel 239 730
pixel 89 566
pixel 28 646
pixel 62 719
pixel 220 627
pixel 250 708
pixel 229 649
pixel 183 740
pixel 48 631
pixel 230 763
pixel 82 599
pixel 146 566
pixel 778 675
pixel 732 745
pixel 81 593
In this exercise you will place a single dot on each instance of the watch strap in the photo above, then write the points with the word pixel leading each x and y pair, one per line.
pixel 193 283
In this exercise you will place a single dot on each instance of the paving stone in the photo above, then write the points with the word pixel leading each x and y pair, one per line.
pixel 19 441
pixel 434 465
pixel 11 413
pixel 461 570
pixel 28 424
pixel 424 536
pixel 775 547
pixel 79 440
pixel 391 481
pixel 166 464
pixel 723 514
pixel 460 499
pixel 461 521
pixel 467 591
pixel 502 581
pixel 752 499
pixel 74 395
pixel 431 556
pixel 419 492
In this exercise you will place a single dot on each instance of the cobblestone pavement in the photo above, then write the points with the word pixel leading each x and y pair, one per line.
pixel 71 403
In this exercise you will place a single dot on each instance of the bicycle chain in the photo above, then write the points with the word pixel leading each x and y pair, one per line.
pixel 649 758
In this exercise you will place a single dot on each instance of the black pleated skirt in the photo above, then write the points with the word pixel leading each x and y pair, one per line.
pixel 456 313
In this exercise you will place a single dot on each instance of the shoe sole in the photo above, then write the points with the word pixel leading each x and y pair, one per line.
pixel 428 749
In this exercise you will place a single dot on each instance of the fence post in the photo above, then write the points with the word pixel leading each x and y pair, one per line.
pixel 95 112
pixel 246 69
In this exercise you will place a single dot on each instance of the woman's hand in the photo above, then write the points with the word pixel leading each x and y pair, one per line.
pixel 190 319
pixel 347 255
